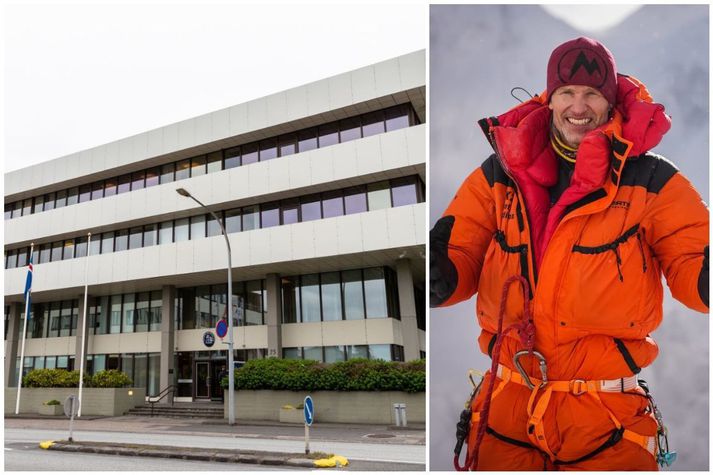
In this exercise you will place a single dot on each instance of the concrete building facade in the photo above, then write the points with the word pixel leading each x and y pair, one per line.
pixel 321 189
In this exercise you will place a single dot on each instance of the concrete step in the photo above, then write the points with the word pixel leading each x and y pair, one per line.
pixel 214 412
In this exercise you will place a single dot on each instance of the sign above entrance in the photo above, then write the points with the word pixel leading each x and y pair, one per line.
pixel 208 339
pixel 221 329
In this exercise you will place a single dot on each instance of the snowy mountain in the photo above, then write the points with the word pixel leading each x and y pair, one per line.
pixel 477 55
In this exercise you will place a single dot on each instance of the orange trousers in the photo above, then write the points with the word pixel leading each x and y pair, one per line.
pixel 574 427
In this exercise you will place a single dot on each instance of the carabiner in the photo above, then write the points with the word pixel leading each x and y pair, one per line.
pixel 543 367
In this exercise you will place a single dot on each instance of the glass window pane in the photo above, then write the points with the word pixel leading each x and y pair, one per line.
pixel 72 196
pixel 250 153
pixel 107 242
pixel 353 294
pixel 288 144
pixel 332 354
pixel 141 371
pixel 290 300
pixel 355 200
pixel 379 195
pixel 165 232
pixel 332 204
pixel 150 235
pixel 49 203
pixel 68 249
pixel 270 215
pixel 251 217
pixel 268 149
pixel 232 158
pixel 85 193
pixel 396 117
pixel 313 353
pixel 232 221
pixel 39 202
pixel 27 207
pixel 349 129
pixel 136 237
pixel 80 247
pixel 17 209
pixel 22 257
pixel 215 161
pixel 61 199
pixel 154 373
pixel 8 210
pixel 375 292
pixel 127 364
pixel 180 230
pixel 357 351
pixel 124 184
pixel 11 259
pixel 373 123
pixel 198 227
pixel 403 191
pixel 65 322
pixel 310 298
pixel 292 353
pixel 198 166
pixel 54 319
pixel 97 190
pixel 202 307
pixel 142 312
pixel 155 313
pixel 56 251
pixel 183 169
pixel 129 314
pixel 152 176
pixel 380 352
pixel 121 240
pixel 310 208
pixel 213 226
pixel 331 297
pixel 44 253
pixel 307 140
pixel 290 210
pixel 167 173
pixel 110 187
pixel 138 180
pixel 328 134
pixel 95 245
pixel 253 303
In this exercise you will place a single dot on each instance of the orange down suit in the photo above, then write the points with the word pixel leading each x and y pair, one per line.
pixel 593 261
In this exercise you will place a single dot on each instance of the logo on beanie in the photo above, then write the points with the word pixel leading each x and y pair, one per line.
pixel 575 67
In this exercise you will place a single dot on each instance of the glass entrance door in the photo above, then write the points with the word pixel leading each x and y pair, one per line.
pixel 202 379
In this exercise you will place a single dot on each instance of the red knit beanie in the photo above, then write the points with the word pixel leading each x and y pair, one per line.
pixel 583 62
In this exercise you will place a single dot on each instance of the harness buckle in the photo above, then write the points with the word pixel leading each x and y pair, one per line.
pixel 543 367
pixel 578 387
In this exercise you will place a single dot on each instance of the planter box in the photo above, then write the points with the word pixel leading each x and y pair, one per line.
pixel 54 410
pixel 293 416
pixel 348 407
pixel 95 401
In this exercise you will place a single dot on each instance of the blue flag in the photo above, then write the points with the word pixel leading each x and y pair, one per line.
pixel 28 283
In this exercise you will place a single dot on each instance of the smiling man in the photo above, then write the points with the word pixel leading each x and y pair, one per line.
pixel 575 213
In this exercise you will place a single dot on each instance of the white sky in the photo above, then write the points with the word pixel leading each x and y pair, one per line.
pixel 84 74
pixel 591 18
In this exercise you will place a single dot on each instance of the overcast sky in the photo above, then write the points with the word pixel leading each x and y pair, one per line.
pixel 84 74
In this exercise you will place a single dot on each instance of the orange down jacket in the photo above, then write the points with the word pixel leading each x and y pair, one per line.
pixel 593 261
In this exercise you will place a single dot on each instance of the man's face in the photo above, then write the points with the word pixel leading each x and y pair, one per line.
pixel 577 110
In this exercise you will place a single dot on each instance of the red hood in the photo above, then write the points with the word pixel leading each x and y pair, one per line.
pixel 522 142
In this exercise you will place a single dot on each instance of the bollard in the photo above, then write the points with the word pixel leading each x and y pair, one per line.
pixel 402 414
pixel 397 414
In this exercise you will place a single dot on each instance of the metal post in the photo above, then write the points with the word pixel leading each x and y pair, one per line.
pixel 71 419
pixel 397 415
pixel 231 369
pixel 24 337
pixel 306 439
pixel 402 410
pixel 84 324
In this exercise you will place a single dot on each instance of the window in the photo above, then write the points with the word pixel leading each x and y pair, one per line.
pixel 331 297
pixel 310 298
pixel 310 208
pixel 202 307
pixel 121 240
pixel 39 202
pixel 349 129
pixel 27 207
pixel 136 237
pixel 379 195
pixel 150 235
pixel 291 300
pixel 212 224
pixel 397 118
pixel 328 135
pixel 152 176
pixel 49 202
pixel 214 161
pixel 8 211
pixel 332 204
pixel 375 293
pixel 68 249
pixel 129 313
pixel 249 153
pixel 292 353
pixel 44 253
pixel 198 227
pixel 251 217
pixel 56 251
pixel 332 354
pixel 403 191
pixel 155 311
pixel 115 315
pixel 98 190
pixel 355 200
pixel 288 144
pixel 373 123
pixel 167 173
pixel 154 373
pixel 183 169
pixel 65 325
pixel 253 303
pixel 268 149
pixel 312 353
pixel 290 210
pixel 85 193
pixel 353 294
pixel 17 209
pixel 22 257
pixel 110 187
pixel 198 166
pixel 232 158
pixel 380 352
pixel 124 184
pixel 180 230
pixel 74 318
pixel 165 232
pixel 307 139
pixel 357 351
pixel 61 199
pixel 270 215
pixel 107 242
pixel 80 247
pixel 95 245
pixel 142 311
pixel 72 196
pixel 138 180
pixel 11 259
pixel 54 319
pixel 232 221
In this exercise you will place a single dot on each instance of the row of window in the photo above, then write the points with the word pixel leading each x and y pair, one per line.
pixel 364 125
pixel 203 306
pixel 332 354
pixel 346 295
pixel 384 194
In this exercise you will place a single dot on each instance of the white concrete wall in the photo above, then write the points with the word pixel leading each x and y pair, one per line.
pixel 358 233
pixel 378 80
pixel 345 332
pixel 358 161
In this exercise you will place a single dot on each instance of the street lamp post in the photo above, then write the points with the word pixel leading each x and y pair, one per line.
pixel 231 369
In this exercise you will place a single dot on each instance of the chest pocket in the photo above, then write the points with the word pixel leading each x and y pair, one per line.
pixel 614 247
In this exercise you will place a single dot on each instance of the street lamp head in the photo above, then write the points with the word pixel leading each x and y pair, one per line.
pixel 183 192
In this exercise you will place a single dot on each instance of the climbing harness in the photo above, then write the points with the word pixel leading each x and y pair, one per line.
pixel 664 456
pixel 463 426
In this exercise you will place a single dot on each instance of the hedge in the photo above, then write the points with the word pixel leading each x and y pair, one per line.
pixel 352 375
pixel 61 378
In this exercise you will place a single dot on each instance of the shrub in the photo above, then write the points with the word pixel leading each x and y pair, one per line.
pixel 52 378
pixel 111 378
pixel 52 402
pixel 352 375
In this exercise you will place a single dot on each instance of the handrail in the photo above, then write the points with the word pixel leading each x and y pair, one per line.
pixel 170 389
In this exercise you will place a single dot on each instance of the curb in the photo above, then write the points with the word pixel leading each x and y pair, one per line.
pixel 191 453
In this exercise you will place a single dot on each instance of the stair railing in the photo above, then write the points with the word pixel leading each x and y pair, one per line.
pixel 171 389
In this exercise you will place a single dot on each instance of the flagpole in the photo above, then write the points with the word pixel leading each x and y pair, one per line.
pixel 28 292
pixel 84 322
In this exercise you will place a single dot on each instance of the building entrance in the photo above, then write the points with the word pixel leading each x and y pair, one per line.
pixel 208 374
